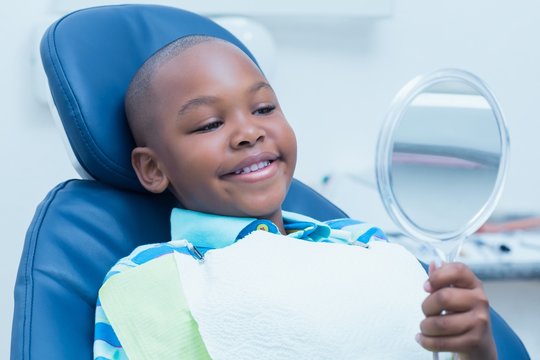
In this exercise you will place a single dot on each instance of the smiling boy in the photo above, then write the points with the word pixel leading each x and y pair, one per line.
pixel 221 143
pixel 209 128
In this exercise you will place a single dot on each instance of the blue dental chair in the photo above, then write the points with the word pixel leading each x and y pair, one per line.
pixel 83 227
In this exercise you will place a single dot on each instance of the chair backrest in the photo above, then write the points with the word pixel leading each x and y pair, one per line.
pixel 84 226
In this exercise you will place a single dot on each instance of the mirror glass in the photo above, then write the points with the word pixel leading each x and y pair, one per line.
pixel 442 158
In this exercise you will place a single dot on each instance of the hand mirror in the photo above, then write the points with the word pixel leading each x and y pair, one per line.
pixel 442 157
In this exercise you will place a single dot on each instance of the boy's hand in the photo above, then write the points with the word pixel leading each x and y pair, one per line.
pixel 464 327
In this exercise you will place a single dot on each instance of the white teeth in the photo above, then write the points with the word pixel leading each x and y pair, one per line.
pixel 253 167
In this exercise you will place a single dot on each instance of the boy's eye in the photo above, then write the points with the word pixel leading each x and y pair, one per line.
pixel 264 110
pixel 210 126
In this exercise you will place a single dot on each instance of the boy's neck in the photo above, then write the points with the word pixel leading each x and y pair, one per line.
pixel 277 219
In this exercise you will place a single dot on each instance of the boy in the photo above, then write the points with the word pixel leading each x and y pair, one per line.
pixel 209 128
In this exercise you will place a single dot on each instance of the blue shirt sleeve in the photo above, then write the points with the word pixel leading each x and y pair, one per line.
pixel 107 346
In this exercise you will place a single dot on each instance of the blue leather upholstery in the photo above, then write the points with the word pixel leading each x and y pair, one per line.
pixel 84 226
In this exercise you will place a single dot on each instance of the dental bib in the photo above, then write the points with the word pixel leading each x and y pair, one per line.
pixel 270 296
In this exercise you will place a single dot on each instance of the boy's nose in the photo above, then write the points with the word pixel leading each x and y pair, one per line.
pixel 247 134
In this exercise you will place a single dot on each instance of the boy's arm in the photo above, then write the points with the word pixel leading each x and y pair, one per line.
pixel 106 343
pixel 464 327
pixel 142 312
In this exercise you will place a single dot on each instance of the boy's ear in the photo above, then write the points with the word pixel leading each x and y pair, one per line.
pixel 150 175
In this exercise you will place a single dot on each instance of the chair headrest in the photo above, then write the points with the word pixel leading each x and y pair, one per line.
pixel 90 57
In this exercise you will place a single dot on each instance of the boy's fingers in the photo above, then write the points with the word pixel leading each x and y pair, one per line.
pixel 452 274
pixel 459 343
pixel 453 300
pixel 447 325
pixel 432 267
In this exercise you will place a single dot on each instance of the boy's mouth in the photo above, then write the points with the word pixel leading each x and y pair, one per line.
pixel 253 167
pixel 253 164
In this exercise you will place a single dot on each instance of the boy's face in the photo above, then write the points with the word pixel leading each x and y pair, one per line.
pixel 223 143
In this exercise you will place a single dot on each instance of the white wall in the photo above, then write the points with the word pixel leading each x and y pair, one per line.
pixel 333 77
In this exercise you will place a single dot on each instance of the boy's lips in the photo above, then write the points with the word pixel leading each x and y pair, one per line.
pixel 252 164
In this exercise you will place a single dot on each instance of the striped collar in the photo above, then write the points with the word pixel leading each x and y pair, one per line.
pixel 210 231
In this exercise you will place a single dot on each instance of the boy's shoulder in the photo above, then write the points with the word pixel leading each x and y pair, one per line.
pixel 144 254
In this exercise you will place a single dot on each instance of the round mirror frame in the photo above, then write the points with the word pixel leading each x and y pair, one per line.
pixel 383 160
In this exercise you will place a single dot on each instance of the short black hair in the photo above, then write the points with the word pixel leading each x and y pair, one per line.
pixel 137 102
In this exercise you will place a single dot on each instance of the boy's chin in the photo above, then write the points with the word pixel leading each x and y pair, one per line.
pixel 269 213
pixel 266 210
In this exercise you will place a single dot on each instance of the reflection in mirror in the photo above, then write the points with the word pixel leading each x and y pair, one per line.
pixel 445 136
pixel 442 158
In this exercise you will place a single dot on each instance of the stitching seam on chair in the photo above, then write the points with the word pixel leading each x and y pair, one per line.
pixel 29 264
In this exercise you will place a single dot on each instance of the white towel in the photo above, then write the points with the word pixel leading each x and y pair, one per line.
pixel 274 297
